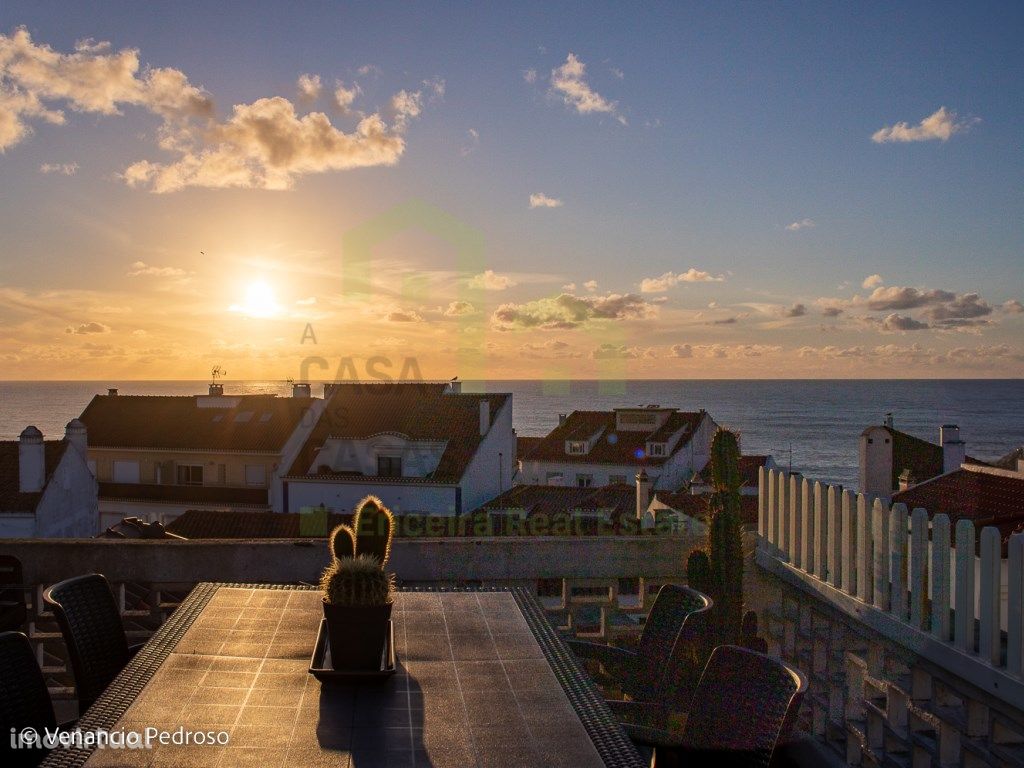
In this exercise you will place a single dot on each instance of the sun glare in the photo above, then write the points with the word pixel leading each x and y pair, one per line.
pixel 260 301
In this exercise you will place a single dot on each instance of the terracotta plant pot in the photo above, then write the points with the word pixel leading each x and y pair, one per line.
pixel 357 635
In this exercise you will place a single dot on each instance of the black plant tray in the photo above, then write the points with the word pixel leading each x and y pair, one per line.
pixel 320 665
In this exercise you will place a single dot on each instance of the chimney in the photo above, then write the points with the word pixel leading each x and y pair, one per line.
pixel 216 390
pixel 301 389
pixel 1020 465
pixel 907 480
pixel 561 419
pixel 31 461
pixel 77 435
pixel 643 494
pixel 954 450
pixel 485 416
pixel 112 392
pixel 888 420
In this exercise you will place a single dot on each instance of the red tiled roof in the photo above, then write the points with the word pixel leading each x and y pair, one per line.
pixel 612 447
pixel 184 494
pixel 206 524
pixel 256 423
pixel 526 445
pixel 696 506
pixel 420 411
pixel 11 498
pixel 984 496
pixel 617 500
pixel 748 466
pixel 921 457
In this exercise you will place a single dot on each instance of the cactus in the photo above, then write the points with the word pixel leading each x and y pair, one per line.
pixel 357 581
pixel 343 542
pixel 726 537
pixel 374 528
pixel 698 571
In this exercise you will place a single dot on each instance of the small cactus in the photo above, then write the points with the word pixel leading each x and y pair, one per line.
pixel 357 581
pixel 726 536
pixel 374 528
pixel 343 542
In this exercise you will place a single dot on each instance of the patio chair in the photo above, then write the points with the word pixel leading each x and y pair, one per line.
pixel 744 706
pixel 640 672
pixel 24 700
pixel 12 595
pixel 93 633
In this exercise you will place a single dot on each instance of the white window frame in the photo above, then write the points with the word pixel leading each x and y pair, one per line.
pixel 261 482
pixel 177 474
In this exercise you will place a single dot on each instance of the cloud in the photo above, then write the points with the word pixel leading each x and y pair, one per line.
pixel 897 297
pixel 965 306
pixel 872 281
pixel 404 316
pixel 897 322
pixel 723 321
pixel 530 75
pixel 617 73
pixel 552 348
pixel 621 352
pixel 569 82
pixel 797 310
pixel 671 279
pixel 141 268
pixel 459 309
pixel 590 285
pixel 568 311
pixel 831 311
pixel 489 280
pixel 368 70
pixel 540 200
pixel 64 169
pixel 681 350
pixel 472 142
pixel 87 328
pixel 569 287
pixel 36 81
pixel 831 352
pixel 344 96
pixel 309 87
pixel 796 226
pixel 1013 307
pixel 941 125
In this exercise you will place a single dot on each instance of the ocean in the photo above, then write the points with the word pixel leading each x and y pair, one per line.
pixel 812 426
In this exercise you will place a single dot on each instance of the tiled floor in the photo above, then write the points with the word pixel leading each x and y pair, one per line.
pixel 472 689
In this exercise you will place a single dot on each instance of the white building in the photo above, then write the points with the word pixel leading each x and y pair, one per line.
pixel 46 488
pixel 420 447
pixel 595 448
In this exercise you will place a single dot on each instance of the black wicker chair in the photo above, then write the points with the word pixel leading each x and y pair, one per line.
pixel 639 673
pixel 24 700
pixel 12 595
pixel 745 705
pixel 93 633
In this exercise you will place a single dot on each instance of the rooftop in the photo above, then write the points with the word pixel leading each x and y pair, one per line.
pixel 11 497
pixel 748 466
pixel 921 457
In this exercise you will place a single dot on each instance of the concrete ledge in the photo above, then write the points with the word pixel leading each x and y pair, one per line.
pixel 46 561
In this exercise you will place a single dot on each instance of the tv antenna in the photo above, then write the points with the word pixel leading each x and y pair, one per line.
pixel 217 371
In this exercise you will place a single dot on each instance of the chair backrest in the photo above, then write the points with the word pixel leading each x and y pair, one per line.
pixel 24 700
pixel 744 705
pixel 689 654
pixel 91 624
pixel 664 622
pixel 12 594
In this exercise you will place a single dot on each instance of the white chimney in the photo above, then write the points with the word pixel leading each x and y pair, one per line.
pixel 301 389
pixel 1020 465
pixel 31 461
pixel 643 494
pixel 112 392
pixel 77 435
pixel 561 419
pixel 485 416
pixel 216 390
pixel 954 450
pixel 888 420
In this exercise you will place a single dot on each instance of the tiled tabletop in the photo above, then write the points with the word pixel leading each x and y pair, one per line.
pixel 473 687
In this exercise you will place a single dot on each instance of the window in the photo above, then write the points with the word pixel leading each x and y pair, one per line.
pixel 577 447
pixel 126 472
pixel 616 479
pixel 584 481
pixel 389 466
pixel 255 474
pixel 190 474
pixel 657 449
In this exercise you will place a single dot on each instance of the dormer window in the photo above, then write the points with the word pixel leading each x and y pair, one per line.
pixel 576 447
pixel 655 449
pixel 389 466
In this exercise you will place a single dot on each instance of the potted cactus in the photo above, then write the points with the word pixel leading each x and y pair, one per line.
pixel 357 590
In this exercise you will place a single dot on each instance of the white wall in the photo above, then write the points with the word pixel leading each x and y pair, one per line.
pixel 69 507
pixel 481 481
pixel 291 449
pixel 875 470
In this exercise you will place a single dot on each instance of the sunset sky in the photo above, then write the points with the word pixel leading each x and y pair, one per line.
pixel 674 191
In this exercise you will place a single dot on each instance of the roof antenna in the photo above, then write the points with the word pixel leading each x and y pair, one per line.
pixel 217 372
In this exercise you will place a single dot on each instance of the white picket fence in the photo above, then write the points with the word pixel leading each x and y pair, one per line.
pixel 902 564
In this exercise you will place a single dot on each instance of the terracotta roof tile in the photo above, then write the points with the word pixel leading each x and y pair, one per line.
pixel 184 494
pixel 251 423
pixel 616 500
pixel 986 497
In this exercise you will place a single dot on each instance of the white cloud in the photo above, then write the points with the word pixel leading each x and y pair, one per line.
pixel 796 226
pixel 369 69
pixel 87 328
pixel 459 309
pixel 64 169
pixel 530 75
pixel 617 73
pixel 568 311
pixel 472 142
pixel 590 285
pixel 872 281
pixel 569 81
pixel 540 200
pixel 345 96
pixel 671 279
pixel 489 280
pixel 941 125
pixel 140 268
pixel 309 87
pixel 1013 306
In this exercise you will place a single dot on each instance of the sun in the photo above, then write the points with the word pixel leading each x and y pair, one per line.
pixel 260 301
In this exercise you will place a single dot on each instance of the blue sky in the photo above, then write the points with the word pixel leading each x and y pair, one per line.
pixel 730 142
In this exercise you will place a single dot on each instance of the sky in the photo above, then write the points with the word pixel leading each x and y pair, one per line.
pixel 679 190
